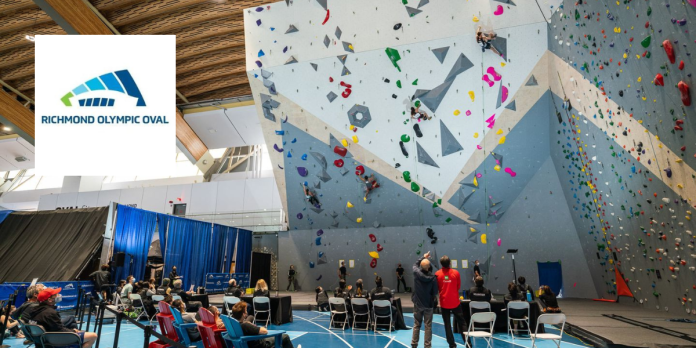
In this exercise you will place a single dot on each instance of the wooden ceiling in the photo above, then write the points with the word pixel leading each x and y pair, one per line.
pixel 209 34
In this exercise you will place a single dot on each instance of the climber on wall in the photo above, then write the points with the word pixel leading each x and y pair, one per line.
pixel 309 195
pixel 419 115
pixel 370 184
pixel 485 41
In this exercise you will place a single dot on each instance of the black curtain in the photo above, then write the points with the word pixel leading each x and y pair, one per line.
pixel 49 245
pixel 260 268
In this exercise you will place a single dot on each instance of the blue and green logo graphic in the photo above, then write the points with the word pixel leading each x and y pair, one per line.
pixel 90 95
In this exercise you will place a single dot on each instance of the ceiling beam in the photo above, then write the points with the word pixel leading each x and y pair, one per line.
pixel 24 84
pixel 211 85
pixel 18 38
pixel 13 112
pixel 16 56
pixel 209 59
pixel 210 73
pixel 75 17
pixel 188 138
pixel 206 29
pixel 148 9
pixel 223 93
pixel 17 71
pixel 112 5
pixel 210 44
pixel 7 6
pixel 185 17
pixel 16 20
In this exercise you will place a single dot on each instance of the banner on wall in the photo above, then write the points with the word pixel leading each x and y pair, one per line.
pixel 217 282
pixel 69 292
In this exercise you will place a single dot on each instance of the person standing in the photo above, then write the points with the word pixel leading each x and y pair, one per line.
pixel 477 271
pixel 400 278
pixel 342 271
pixel 424 300
pixel 101 281
pixel 449 283
pixel 291 279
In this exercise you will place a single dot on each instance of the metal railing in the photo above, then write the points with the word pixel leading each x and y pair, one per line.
pixel 255 221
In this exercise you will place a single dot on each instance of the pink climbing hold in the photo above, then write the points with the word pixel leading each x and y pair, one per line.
pixel 491 121
pixel 692 2
pixel 479 147
pixel 510 171
pixel 488 80
pixel 496 76
pixel 498 10
pixel 499 242
pixel 468 112
pixel 504 94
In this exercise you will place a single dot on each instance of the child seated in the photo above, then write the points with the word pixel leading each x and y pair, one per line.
pixel 322 299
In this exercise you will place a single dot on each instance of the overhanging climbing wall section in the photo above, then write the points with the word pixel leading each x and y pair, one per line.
pixel 625 147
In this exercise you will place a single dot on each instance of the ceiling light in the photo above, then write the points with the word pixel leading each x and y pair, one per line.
pixel 6 129
pixel 30 38
pixel 21 159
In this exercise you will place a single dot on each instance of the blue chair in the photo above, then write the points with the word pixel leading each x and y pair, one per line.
pixel 181 329
pixel 234 337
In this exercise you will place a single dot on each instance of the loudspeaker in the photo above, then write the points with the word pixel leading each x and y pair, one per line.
pixel 120 259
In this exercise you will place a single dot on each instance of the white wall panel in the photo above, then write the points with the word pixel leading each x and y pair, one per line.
pixel 105 197
pixel 132 196
pixel 48 202
pixel 203 198
pixel 67 200
pixel 154 199
pixel 87 199
pixel 230 197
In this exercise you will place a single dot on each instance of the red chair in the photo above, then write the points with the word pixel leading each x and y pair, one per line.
pixel 208 320
pixel 208 337
pixel 166 324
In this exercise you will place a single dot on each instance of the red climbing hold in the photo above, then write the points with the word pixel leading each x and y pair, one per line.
pixel 328 13
pixel 346 85
pixel 659 80
pixel 685 96
pixel 372 238
pixel 379 247
pixel 346 93
pixel 373 263
pixel 683 148
pixel 681 65
pixel 338 163
pixel 330 79
pixel 359 170
pixel 647 24
pixel 669 50
pixel 341 151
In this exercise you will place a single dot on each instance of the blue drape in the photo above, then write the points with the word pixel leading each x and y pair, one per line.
pixel 3 214
pixel 134 230
pixel 224 239
pixel 229 252
pixel 243 264
pixel 188 246
pixel 162 226
pixel 551 274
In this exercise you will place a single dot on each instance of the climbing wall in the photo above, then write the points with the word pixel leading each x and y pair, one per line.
pixel 623 145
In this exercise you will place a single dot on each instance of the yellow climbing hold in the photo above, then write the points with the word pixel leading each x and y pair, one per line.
pixel 358 220
pixel 472 229
pixel 502 140
pixel 475 182
pixel 475 135
pixel 351 127
pixel 349 205
pixel 625 55
pixel 497 168
pixel 500 131
pixel 502 64
pixel 483 239
pixel 639 78
pixel 344 142
pixel 374 254
pixel 457 112
pixel 680 186
pixel 472 95
pixel 350 46
pixel 355 139
pixel 475 19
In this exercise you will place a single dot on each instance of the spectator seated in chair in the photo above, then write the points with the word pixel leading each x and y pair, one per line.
pixel 233 289
pixel 47 316
pixel 261 288
pixel 191 306
pixel 127 290
pixel 239 312
pixel 12 324
pixel 164 289
pixel 322 299
pixel 26 310
pixel 548 300
pixel 189 318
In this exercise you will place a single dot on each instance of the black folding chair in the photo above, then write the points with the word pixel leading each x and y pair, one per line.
pixel 61 340
pixel 34 334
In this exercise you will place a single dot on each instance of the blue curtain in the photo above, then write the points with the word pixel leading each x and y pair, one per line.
pixel 221 249
pixel 3 214
pixel 551 274
pixel 134 230
pixel 187 248
pixel 243 251
pixel 162 226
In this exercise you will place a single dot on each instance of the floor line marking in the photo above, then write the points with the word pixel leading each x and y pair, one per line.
pixel 333 333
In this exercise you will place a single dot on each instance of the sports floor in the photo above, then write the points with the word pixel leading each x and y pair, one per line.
pixel 310 329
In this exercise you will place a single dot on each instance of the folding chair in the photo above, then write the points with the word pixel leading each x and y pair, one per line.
pixel 138 306
pixel 61 339
pixel 360 308
pixel 155 302
pixel 234 337
pixel 229 302
pixel 517 305
pixel 551 319
pixel 262 304
pixel 479 306
pixel 181 329
pixel 481 318
pixel 35 332
pixel 116 300
pixel 382 309
pixel 337 306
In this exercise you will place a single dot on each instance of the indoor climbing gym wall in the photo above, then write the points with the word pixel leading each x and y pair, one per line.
pixel 334 83
pixel 624 143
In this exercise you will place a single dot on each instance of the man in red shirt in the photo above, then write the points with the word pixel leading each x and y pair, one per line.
pixel 448 284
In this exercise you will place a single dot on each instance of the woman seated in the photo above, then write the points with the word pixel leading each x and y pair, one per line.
pixel 548 300
pixel 193 333
pixel 515 295
pixel 216 313
pixel 12 325
pixel 164 289
pixel 359 292
pixel 261 288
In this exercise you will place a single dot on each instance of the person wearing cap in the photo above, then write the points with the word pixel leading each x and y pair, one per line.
pixel 47 316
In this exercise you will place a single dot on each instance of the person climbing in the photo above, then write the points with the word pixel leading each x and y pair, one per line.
pixel 485 41
pixel 311 198
pixel 370 184
pixel 419 115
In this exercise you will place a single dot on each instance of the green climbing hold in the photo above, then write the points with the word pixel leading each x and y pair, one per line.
pixel 398 83
pixel 415 83
pixel 394 57
pixel 649 10
pixel 448 220
pixel 418 103
pixel 407 176
pixel 577 15
pixel 646 42
pixel 405 2
pixel 415 187
pixel 405 138
pixel 435 205
pixel 647 55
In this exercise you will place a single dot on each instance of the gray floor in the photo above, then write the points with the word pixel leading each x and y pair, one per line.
pixel 586 314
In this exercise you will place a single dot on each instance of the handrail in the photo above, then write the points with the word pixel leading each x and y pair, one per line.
pixel 147 329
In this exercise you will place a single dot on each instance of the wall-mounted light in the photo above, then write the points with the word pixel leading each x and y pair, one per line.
pixel 30 38
pixel 21 159
pixel 6 129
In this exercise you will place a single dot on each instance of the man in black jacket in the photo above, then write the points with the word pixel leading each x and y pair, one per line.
pixel 424 299
pixel 47 316
pixel 102 280
pixel 24 311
